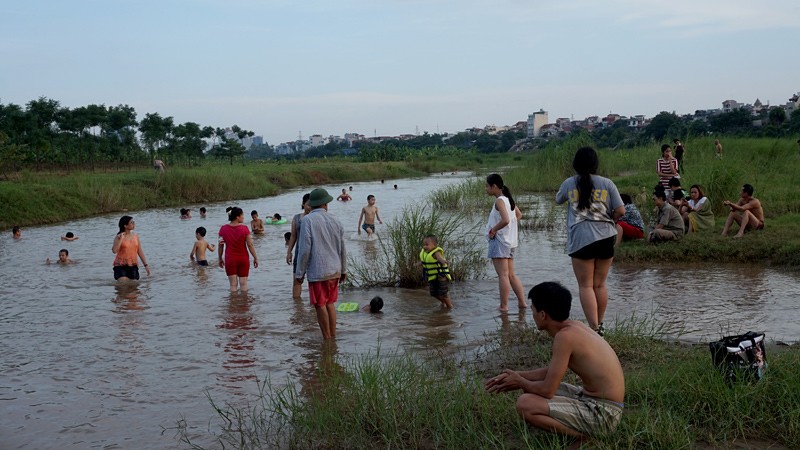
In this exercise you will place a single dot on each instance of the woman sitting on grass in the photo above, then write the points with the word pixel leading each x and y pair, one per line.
pixel 696 212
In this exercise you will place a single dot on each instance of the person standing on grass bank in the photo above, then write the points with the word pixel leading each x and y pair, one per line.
pixel 547 402
pixel 667 166
pixel 680 151
pixel 718 148
pixel 234 259
pixel 291 245
pixel 747 212
pixel 594 204
pixel 322 257
pixel 502 234
pixel 159 166
pixel 128 250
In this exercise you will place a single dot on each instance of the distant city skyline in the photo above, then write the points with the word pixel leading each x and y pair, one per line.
pixel 393 67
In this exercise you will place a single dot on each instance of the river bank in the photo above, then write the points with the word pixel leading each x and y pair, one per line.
pixel 675 398
pixel 35 198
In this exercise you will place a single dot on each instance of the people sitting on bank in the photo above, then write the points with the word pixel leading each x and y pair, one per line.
pixel 747 212
pixel 696 211
pixel 547 402
pixel 630 226
pixel 669 225
pixel 676 194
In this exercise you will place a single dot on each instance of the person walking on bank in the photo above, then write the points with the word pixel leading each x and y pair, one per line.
pixel 594 205
pixel 322 257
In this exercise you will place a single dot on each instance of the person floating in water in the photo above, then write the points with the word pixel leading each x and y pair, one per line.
pixel 374 306
pixel 63 257
pixel 202 212
pixel 198 253
pixel 16 232
pixel 70 236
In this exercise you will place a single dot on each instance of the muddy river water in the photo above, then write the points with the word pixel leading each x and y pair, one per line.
pixel 85 363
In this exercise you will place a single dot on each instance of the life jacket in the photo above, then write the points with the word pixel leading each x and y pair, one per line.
pixel 431 266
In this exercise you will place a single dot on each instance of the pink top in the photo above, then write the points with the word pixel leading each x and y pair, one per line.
pixel 235 240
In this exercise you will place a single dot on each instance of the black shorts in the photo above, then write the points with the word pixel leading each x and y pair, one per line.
pixel 203 262
pixel 439 288
pixel 131 272
pixel 602 249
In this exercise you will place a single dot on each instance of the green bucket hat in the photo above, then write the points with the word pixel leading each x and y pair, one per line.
pixel 319 197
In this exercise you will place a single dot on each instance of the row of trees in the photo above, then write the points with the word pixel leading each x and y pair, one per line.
pixel 43 133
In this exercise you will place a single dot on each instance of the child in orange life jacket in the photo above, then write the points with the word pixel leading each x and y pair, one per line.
pixel 435 269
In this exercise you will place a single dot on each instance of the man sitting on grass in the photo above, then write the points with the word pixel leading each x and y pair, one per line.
pixel 548 403
pixel 747 212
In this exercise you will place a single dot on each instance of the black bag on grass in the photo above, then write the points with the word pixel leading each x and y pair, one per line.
pixel 740 357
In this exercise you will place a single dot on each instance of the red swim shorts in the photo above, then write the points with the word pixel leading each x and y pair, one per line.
pixel 629 231
pixel 238 267
pixel 323 292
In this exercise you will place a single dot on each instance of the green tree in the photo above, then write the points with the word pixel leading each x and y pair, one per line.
pixel 660 124
pixel 777 116
pixel 229 148
pixel 156 132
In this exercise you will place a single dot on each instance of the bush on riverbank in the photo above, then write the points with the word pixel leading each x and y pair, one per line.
pixel 675 399
pixel 394 259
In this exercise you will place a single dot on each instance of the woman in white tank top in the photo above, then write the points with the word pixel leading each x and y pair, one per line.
pixel 502 234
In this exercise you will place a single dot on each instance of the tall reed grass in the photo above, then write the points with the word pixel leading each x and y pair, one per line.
pixel 396 261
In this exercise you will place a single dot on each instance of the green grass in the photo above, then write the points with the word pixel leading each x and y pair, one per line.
pixel 675 398
pixel 35 198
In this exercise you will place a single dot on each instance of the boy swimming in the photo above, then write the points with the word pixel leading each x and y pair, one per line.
pixel 70 236
pixel 63 257
pixel 374 306
pixel 198 253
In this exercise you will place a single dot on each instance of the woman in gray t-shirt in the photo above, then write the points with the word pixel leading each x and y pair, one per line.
pixel 594 205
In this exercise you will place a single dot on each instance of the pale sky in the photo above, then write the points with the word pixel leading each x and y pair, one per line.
pixel 281 67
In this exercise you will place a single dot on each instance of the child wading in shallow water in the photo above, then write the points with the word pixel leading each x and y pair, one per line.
pixel 436 270
pixel 198 253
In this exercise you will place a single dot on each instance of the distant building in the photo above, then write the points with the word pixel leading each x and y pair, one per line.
pixel 250 141
pixel 730 106
pixel 535 123
pixel 317 140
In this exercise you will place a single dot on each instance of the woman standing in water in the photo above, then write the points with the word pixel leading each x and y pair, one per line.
pixel 501 231
pixel 238 240
pixel 594 205
pixel 129 251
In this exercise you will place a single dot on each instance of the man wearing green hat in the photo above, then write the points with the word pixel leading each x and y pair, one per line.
pixel 321 256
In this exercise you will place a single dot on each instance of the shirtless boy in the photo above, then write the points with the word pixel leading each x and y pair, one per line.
pixel 256 225
pixel 198 253
pixel 546 402
pixel 747 212
pixel 369 213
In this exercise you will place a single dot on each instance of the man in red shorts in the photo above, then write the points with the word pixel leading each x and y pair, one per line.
pixel 321 256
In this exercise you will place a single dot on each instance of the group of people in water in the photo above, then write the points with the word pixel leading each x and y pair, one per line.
pixel 598 219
